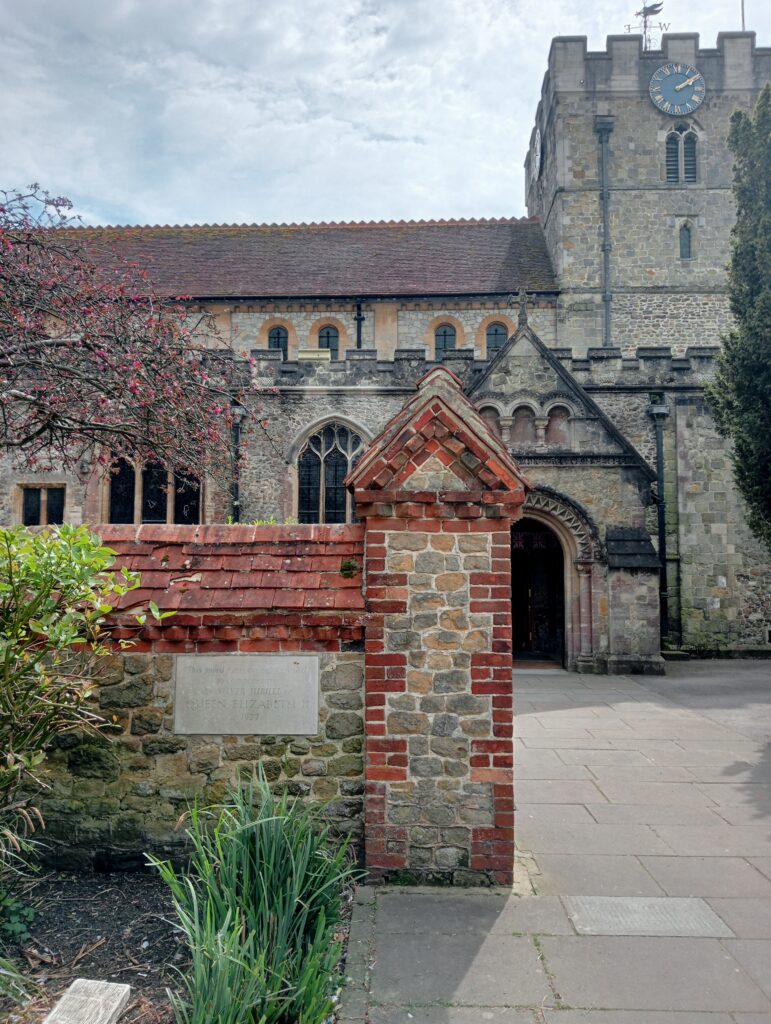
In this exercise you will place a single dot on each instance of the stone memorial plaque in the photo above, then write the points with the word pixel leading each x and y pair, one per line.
pixel 246 694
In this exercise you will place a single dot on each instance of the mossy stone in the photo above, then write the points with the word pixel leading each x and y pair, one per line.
pixel 95 760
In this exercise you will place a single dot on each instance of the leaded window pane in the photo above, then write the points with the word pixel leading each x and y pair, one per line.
pixel 329 337
pixel 444 340
pixel 122 485
pixel 335 471
pixel 31 505
pixel 154 493
pixel 309 472
pixel 496 339
pixel 187 500
pixel 54 506
pixel 278 338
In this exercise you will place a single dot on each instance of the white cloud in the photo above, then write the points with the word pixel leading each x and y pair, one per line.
pixel 149 111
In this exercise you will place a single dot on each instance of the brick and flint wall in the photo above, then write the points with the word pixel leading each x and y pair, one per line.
pixel 438 493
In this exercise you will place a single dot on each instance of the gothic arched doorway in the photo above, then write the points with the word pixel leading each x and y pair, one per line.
pixel 537 593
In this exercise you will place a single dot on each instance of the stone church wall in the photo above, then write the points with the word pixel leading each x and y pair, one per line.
pixel 725 575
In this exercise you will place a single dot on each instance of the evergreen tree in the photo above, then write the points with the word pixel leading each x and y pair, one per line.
pixel 741 393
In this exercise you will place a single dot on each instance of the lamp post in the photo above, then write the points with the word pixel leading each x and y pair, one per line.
pixel 658 410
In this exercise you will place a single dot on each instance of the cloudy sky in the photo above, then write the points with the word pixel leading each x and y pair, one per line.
pixel 223 111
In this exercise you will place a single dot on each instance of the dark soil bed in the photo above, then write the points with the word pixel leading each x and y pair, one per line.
pixel 108 927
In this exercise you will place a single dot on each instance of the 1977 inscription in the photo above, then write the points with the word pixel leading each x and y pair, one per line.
pixel 246 694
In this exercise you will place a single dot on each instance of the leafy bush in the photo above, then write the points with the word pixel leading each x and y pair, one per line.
pixel 260 906
pixel 55 589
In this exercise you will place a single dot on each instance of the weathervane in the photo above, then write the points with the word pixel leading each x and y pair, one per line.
pixel 645 24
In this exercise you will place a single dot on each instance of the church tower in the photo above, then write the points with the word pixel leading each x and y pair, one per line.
pixel 630 174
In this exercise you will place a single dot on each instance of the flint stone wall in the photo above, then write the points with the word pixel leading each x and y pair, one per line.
pixel 112 799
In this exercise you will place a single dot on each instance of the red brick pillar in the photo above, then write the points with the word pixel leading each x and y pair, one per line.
pixel 437 493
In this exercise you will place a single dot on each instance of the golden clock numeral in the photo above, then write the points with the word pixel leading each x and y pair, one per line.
pixel 667 107
pixel 667 71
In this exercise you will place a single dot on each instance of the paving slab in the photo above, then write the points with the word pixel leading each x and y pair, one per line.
pixel 589 838
pixel 633 1017
pixel 655 814
pixel 552 813
pixel 448 1015
pixel 526 770
pixel 763 864
pixel 603 757
pixel 755 957
pixel 707 876
pixel 653 793
pixel 639 915
pixel 641 773
pixel 544 791
pixel 747 918
pixel 468 969
pixel 472 911
pixel 721 841
pixel 583 875
pixel 617 973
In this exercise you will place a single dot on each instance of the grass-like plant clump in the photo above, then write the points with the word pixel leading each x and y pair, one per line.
pixel 260 905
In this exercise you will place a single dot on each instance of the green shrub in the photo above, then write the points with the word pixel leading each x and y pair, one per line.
pixel 260 907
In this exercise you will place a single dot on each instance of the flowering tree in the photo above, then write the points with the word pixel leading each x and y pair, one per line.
pixel 93 365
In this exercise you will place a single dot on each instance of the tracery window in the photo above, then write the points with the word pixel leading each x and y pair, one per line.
pixel 325 461
pixel 681 160
pixel 329 337
pixel 278 338
pixel 444 340
pixel 153 495
pixel 496 339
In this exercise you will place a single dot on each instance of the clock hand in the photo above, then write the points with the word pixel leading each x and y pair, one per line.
pixel 686 83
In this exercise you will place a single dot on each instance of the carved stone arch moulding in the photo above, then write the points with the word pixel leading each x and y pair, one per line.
pixel 572 517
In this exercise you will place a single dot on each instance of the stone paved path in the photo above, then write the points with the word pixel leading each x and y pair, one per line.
pixel 644 878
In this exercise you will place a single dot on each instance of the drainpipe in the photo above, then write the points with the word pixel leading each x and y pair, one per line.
pixel 359 318
pixel 238 413
pixel 603 126
pixel 658 411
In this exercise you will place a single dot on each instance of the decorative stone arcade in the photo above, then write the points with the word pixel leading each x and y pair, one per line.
pixel 438 492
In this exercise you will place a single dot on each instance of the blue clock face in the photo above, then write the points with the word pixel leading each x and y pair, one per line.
pixel 677 89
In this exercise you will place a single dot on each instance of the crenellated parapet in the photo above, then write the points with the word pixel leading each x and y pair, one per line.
pixel 600 367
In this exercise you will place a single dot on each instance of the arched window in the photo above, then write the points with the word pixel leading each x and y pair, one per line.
pixel 278 338
pixel 496 339
pixel 325 461
pixel 558 427
pixel 523 426
pixel 444 340
pixel 685 241
pixel 152 504
pixel 681 160
pixel 491 418
pixel 329 337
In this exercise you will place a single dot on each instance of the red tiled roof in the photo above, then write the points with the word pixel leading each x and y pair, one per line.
pixel 240 568
pixel 395 258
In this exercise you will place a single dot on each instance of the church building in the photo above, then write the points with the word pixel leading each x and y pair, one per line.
pixel 582 334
